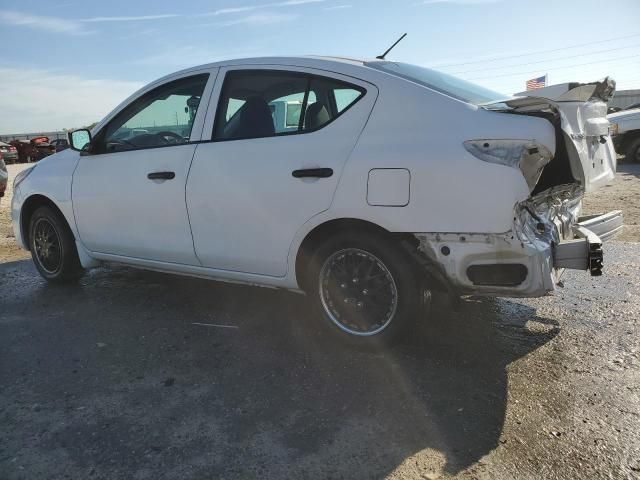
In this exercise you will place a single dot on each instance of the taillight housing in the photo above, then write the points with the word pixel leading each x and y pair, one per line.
pixel 529 156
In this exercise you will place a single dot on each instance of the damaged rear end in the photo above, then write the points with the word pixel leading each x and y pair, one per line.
pixel 584 161
pixel 548 233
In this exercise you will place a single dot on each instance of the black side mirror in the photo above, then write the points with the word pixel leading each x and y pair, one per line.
pixel 80 139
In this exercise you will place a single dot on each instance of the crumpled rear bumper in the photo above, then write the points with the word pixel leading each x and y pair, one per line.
pixel 585 252
pixel 548 236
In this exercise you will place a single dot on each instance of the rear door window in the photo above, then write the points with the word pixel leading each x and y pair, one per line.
pixel 266 103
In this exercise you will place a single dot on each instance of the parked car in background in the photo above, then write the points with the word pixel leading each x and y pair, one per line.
pixel 60 144
pixel 24 148
pixel 365 184
pixel 9 153
pixel 625 129
pixel 4 176
pixel 34 149
pixel 42 148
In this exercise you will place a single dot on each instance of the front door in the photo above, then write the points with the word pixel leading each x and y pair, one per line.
pixel 279 142
pixel 129 192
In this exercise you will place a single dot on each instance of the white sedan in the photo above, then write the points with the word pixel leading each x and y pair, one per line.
pixel 364 184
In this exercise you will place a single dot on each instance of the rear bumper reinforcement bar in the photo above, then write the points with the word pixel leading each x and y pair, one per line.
pixel 585 252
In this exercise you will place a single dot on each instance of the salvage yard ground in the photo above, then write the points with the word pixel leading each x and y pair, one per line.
pixel 120 377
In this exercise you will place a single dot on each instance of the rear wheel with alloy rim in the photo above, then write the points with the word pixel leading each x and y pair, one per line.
pixel 365 288
pixel 53 247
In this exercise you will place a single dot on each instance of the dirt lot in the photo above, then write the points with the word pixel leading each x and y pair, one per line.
pixel 8 248
pixel 112 378
pixel 623 194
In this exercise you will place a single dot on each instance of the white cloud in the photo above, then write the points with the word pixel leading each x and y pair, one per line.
pixel 40 100
pixel 296 2
pixel 78 26
pixel 338 7
pixel 130 19
pixel 226 11
pixel 250 8
pixel 258 19
pixel 50 24
pixel 459 2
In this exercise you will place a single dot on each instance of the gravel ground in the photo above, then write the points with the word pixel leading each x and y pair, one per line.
pixel 8 248
pixel 112 378
pixel 623 194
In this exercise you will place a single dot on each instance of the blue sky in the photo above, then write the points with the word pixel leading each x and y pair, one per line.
pixel 66 63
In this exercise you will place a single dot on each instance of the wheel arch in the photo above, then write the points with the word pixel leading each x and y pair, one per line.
pixel 406 241
pixel 29 206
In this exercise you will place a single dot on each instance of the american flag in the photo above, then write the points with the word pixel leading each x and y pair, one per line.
pixel 535 83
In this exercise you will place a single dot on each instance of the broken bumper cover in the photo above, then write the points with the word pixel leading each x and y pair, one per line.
pixel 528 261
pixel 585 251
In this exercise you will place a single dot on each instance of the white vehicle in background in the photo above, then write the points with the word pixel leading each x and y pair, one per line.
pixel 363 183
pixel 626 133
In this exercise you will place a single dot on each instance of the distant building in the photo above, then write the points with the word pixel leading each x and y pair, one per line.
pixel 624 98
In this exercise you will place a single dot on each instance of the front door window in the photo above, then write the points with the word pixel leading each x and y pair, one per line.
pixel 162 117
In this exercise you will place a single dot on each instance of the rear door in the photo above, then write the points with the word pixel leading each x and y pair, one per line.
pixel 279 139
pixel 583 113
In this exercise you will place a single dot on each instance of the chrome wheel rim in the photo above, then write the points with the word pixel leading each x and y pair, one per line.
pixel 47 246
pixel 358 293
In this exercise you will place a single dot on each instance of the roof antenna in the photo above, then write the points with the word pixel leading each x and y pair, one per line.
pixel 381 57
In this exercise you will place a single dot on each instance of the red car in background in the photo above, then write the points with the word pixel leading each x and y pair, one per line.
pixel 33 150
pixel 3 176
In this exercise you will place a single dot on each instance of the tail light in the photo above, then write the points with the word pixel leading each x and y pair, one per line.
pixel 529 156
pixel 13 149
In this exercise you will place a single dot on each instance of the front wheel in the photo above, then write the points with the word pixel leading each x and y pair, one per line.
pixel 53 247
pixel 365 288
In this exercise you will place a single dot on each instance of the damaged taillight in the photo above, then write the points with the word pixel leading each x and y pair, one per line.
pixel 527 155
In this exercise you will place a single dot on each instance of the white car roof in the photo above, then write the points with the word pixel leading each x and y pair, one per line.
pixel 335 64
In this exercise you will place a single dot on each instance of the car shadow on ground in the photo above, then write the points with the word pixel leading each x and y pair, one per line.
pixel 115 378
pixel 628 168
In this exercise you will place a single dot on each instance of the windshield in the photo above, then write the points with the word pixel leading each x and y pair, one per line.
pixel 440 82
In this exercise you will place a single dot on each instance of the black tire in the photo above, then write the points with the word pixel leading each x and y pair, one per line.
pixel 400 268
pixel 49 232
pixel 632 153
